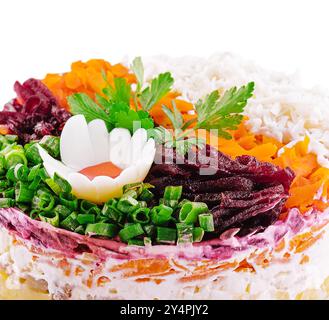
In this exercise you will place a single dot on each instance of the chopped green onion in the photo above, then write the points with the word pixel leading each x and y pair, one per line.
pixel 198 234
pixel 10 175
pixel 161 214
pixel 69 200
pixel 2 164
pixel 63 184
pixel 32 153
pixel 23 193
pixel 9 193
pixel 14 154
pixel 35 183
pixel 11 138
pixel 130 193
pixel 110 210
pixel 190 211
pixel 131 231
pixel 50 217
pixel 86 218
pixel 85 206
pixel 136 242
pixel 138 187
pixel 141 215
pixel 146 195
pixel 34 171
pixel 14 157
pixel 3 141
pixel 182 202
pixel 4 184
pixel 62 211
pixel 58 184
pixel 150 230
pixel 142 204
pixel 80 230
pixel 102 229
pixel 127 203
pixel 100 218
pixel 43 174
pixel 206 222
pixel 95 211
pixel 127 224
pixel 169 203
pixel 51 144
pixel 173 193
pixel 34 214
pixel 112 202
pixel 166 235
pixel 7 203
pixel 70 222
pixel 43 201
pixel 53 186
pixel 184 233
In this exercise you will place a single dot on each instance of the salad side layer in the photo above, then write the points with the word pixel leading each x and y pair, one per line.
pixel 187 188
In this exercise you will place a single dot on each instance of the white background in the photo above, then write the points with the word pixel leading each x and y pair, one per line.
pixel 38 36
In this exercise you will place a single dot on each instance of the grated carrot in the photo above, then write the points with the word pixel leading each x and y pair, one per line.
pixel 85 78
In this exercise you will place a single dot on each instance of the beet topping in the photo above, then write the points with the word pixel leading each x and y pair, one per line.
pixel 243 193
pixel 34 113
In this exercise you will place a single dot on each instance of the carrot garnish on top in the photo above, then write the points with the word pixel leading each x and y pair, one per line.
pixel 89 77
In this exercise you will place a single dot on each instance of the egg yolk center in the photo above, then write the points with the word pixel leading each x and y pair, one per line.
pixel 107 169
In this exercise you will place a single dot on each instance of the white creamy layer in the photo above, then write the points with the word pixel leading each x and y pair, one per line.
pixel 280 279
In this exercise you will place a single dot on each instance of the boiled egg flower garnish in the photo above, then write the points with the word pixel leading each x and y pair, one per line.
pixel 98 164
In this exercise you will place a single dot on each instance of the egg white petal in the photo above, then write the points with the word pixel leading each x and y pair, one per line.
pixel 142 169
pixel 106 188
pixel 99 138
pixel 120 147
pixel 52 165
pixel 148 152
pixel 75 146
pixel 129 175
pixel 82 187
pixel 138 141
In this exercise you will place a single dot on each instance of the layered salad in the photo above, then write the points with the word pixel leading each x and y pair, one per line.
pixel 170 179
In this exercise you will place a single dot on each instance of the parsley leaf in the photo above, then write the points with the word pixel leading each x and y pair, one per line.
pixel 105 104
pixel 214 112
pixel 171 139
pixel 138 69
pixel 160 86
pixel 161 135
pixel 223 113
pixel 133 120
pixel 116 113
pixel 174 116
pixel 121 91
pixel 80 103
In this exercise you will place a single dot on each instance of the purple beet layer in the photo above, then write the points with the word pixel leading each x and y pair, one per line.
pixel 45 236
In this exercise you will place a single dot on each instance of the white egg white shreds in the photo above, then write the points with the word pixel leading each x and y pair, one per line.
pixel 280 108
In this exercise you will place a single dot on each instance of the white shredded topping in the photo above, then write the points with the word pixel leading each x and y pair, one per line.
pixel 280 108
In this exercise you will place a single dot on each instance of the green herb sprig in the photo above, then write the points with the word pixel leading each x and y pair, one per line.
pixel 214 112
pixel 153 93
pixel 114 106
